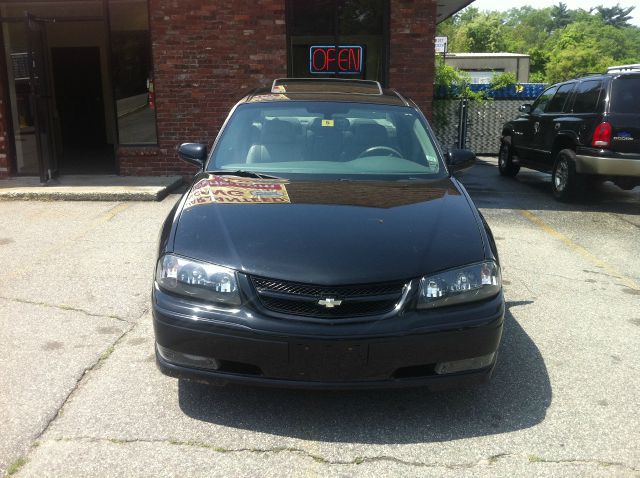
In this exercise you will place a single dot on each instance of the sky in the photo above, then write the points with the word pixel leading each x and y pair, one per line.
pixel 571 4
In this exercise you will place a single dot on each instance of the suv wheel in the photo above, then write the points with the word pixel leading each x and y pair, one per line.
pixel 566 184
pixel 506 166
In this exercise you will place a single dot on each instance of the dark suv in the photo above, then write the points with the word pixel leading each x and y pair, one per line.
pixel 580 131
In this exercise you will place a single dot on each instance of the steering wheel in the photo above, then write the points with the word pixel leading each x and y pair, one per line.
pixel 367 152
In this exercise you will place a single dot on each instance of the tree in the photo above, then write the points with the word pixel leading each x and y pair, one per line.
pixel 560 16
pixel 615 16
pixel 588 47
pixel 526 28
pixel 561 42
pixel 473 31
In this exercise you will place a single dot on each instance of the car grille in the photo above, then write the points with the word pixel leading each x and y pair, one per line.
pixel 294 298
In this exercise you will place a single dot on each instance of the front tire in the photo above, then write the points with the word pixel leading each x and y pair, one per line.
pixel 566 184
pixel 506 166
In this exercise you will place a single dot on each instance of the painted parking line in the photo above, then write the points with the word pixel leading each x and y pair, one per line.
pixel 113 212
pixel 56 247
pixel 589 256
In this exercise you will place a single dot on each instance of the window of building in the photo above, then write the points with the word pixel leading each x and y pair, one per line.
pixel 132 71
pixel 337 38
pixel 482 77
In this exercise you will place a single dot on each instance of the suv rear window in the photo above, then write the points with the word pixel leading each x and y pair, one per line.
pixel 588 97
pixel 625 95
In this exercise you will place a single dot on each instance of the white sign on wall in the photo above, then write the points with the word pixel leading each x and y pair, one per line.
pixel 441 44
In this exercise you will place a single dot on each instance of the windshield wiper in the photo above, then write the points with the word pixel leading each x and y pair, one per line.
pixel 243 174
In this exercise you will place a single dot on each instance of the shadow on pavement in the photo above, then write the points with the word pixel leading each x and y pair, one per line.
pixel 532 190
pixel 516 398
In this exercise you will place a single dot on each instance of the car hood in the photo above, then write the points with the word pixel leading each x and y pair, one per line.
pixel 329 232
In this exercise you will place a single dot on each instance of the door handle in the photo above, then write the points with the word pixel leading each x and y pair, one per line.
pixel 557 126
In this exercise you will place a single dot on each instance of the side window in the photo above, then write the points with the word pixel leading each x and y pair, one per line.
pixel 556 105
pixel 588 97
pixel 541 103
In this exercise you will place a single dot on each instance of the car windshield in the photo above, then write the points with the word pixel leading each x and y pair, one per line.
pixel 327 138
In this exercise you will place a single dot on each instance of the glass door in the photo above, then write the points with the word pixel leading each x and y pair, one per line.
pixel 24 42
pixel 41 98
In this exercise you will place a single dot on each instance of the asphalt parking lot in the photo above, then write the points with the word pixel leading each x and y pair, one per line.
pixel 80 394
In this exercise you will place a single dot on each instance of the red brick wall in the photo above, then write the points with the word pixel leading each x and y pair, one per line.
pixel 412 33
pixel 206 54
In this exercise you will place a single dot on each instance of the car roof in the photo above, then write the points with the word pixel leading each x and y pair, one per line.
pixel 326 89
pixel 612 72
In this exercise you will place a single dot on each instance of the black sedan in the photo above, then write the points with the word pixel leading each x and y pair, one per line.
pixel 326 244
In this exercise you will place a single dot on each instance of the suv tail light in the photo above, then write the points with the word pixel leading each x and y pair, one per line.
pixel 602 136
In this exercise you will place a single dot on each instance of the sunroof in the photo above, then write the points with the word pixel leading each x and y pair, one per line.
pixel 326 85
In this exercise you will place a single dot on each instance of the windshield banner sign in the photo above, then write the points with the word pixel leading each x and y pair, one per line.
pixel 237 190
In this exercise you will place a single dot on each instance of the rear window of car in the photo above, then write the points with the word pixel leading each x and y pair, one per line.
pixel 589 97
pixel 556 105
pixel 625 95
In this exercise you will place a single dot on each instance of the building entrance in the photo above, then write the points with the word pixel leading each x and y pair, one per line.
pixel 80 108
pixel 62 109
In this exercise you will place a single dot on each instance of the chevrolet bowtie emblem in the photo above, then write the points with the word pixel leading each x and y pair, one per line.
pixel 329 302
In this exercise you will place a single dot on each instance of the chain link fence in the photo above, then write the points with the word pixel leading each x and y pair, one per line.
pixel 481 131
pixel 484 123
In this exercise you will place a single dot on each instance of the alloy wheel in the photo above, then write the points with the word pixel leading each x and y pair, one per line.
pixel 562 175
pixel 502 158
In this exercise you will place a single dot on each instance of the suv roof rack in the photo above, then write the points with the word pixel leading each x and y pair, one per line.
pixel 581 75
pixel 326 85
pixel 621 68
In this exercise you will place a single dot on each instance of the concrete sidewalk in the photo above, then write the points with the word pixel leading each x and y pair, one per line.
pixel 90 188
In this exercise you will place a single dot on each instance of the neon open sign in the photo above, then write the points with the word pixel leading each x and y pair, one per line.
pixel 329 59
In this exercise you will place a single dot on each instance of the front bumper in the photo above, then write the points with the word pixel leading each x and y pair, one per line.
pixel 395 352
pixel 607 163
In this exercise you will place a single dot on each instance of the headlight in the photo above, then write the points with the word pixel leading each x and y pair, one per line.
pixel 456 286
pixel 198 280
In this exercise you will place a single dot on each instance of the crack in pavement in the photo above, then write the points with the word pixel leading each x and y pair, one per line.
pixel 358 460
pixel 35 443
pixel 67 308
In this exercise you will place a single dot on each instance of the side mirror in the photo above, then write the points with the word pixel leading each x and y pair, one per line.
pixel 526 108
pixel 194 153
pixel 459 159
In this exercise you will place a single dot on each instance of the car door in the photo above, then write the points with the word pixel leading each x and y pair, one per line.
pixel 529 127
pixel 551 122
